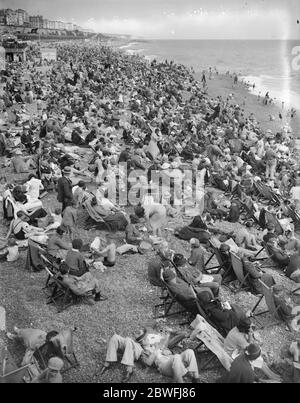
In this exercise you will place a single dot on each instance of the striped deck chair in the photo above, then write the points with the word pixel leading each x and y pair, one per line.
pixel 213 343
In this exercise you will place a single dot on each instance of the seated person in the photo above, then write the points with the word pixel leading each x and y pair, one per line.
pixel 200 280
pixel 57 247
pixel 245 239
pixel 197 256
pixel 271 234
pixel 255 274
pixel 34 339
pixel 103 202
pixel 285 306
pixel 117 221
pixel 22 164
pixel 228 272
pixel 152 348
pixel 293 269
pixel 211 207
pixel 290 243
pixel 54 221
pixel 185 292
pixel 133 235
pixel 11 252
pixel 81 284
pixel 159 264
pixel 239 338
pixel 21 230
pixel 52 373
pixel 75 260
pixel 242 368
pixel 33 187
pixel 108 254
pixel 225 317
pixel 277 255
pixel 80 194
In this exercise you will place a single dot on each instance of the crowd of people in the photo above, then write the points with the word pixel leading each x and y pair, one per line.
pixel 131 145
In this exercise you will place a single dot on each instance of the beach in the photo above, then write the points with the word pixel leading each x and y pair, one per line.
pixel 222 85
pixel 131 297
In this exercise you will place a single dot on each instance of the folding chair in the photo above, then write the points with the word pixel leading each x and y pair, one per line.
pixel 267 193
pixel 61 296
pixel 270 264
pixel 168 303
pixel 270 302
pixel 296 291
pixel 213 343
pixel 9 372
pixel 214 245
pixel 60 346
pixel 51 271
pixel 238 268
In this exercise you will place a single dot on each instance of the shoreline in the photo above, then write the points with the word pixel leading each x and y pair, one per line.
pixel 222 85
pixel 243 93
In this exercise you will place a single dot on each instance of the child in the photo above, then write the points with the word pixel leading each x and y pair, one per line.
pixel 11 252
pixel 69 220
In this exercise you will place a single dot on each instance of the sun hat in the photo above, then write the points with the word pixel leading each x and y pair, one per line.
pixel 224 248
pixel 55 364
pixel 67 170
pixel 195 242
pixel 169 275
pixel 253 352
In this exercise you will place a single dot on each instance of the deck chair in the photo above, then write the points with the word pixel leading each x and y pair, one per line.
pixel 271 219
pixel 51 270
pixel 60 294
pixel 238 268
pixel 9 372
pixel 191 307
pixel 296 219
pixel 296 291
pixel 213 343
pixel 59 346
pixel 266 193
pixel 269 263
pixel 270 302
pixel 214 243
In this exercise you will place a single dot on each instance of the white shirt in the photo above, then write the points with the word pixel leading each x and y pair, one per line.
pixel 33 188
pixel 13 253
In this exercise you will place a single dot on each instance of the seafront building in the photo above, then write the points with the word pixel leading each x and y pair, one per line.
pixel 20 18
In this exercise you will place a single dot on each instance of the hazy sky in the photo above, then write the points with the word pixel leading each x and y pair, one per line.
pixel 235 19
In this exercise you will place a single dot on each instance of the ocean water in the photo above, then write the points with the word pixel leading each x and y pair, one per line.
pixel 268 64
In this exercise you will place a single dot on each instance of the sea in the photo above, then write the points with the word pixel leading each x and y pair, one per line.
pixel 273 66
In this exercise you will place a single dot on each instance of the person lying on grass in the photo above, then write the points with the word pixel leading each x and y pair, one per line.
pixel 152 348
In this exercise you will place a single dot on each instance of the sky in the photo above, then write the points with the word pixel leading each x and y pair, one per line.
pixel 175 19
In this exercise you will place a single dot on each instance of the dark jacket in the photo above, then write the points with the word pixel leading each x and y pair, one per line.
pixel 241 371
pixel 64 190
